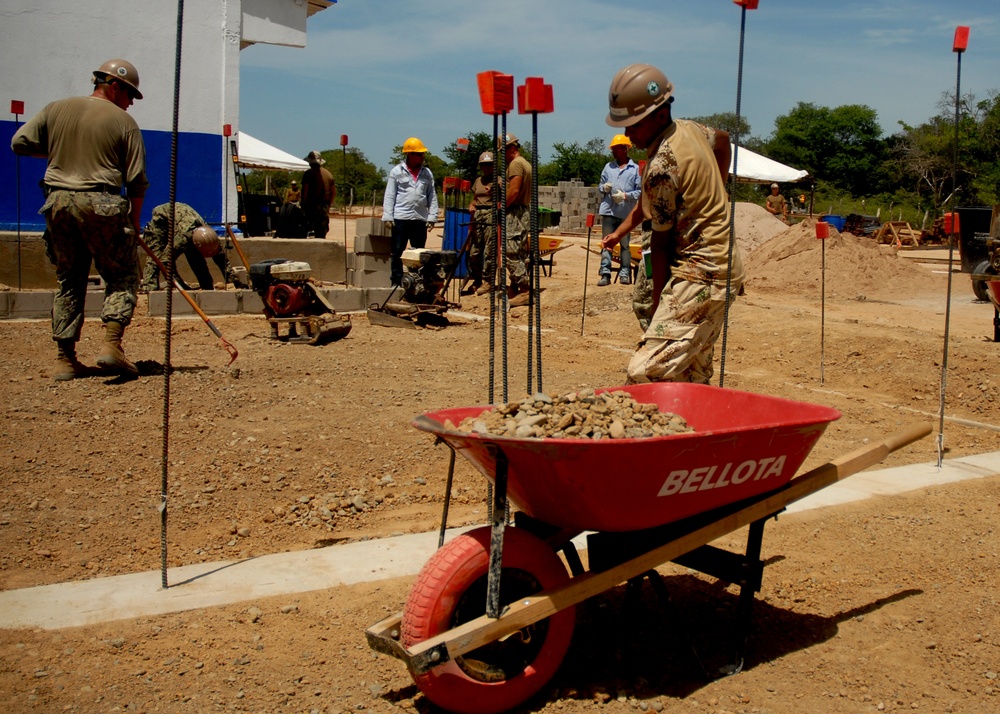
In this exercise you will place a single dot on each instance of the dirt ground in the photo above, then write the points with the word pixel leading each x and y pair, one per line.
pixel 885 605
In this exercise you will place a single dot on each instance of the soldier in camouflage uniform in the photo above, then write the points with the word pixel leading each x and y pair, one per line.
pixel 684 196
pixel 156 233
pixel 518 243
pixel 93 148
pixel 482 264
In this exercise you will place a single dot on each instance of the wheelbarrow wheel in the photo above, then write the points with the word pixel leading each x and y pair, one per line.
pixel 451 590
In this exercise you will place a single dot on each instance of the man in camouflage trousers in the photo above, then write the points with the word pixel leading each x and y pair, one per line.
pixel 186 223
pixel 684 196
pixel 93 148
pixel 518 243
pixel 482 238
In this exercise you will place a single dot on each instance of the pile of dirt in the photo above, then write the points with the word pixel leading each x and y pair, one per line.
pixel 755 226
pixel 793 261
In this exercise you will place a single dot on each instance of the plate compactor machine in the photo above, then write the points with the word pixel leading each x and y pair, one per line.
pixel 291 299
pixel 420 296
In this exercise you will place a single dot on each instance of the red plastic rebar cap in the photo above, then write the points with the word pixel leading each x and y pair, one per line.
pixel 534 97
pixel 822 230
pixel 343 139
pixel 961 39
pixel 227 129
pixel 590 220
pixel 747 4
pixel 16 106
pixel 496 92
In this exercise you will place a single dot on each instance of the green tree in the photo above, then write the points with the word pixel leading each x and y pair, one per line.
pixel 843 145
pixel 573 161
pixel 465 164
pixel 727 122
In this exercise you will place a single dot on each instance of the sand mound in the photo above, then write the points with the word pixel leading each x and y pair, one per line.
pixel 755 226
pixel 856 268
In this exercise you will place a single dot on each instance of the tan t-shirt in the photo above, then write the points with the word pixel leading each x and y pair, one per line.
pixel 482 193
pixel 684 195
pixel 776 204
pixel 89 143
pixel 520 167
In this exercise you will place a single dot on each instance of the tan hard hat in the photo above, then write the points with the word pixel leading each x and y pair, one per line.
pixel 636 92
pixel 486 158
pixel 123 71
pixel 413 145
pixel 511 140
pixel 315 158
pixel 620 140
pixel 206 241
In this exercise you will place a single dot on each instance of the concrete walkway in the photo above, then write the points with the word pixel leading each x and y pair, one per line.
pixel 90 602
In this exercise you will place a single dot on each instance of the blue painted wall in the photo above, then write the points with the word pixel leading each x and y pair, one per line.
pixel 199 177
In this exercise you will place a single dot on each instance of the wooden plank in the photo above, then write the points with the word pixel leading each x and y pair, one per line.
pixel 483 630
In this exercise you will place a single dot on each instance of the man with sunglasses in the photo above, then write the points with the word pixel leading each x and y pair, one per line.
pixel 93 149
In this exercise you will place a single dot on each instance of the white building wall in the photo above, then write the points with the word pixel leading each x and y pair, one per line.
pixel 49 49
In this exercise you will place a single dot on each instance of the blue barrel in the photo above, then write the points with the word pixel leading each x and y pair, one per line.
pixel 835 221
pixel 456 231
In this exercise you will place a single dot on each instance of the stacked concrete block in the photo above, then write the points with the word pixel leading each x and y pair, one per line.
pixel 573 200
pixel 368 265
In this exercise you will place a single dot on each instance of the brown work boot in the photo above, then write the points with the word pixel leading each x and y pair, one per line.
pixel 67 365
pixel 520 299
pixel 483 289
pixel 112 357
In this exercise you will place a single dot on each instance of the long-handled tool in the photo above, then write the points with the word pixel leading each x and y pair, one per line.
pixel 586 268
pixel 226 345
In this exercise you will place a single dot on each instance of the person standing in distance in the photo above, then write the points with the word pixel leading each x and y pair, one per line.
pixel 93 148
pixel 482 238
pixel 684 194
pixel 518 245
pixel 318 192
pixel 776 205
pixel 620 188
pixel 410 205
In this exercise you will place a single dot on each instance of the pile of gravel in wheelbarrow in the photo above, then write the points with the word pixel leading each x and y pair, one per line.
pixel 576 415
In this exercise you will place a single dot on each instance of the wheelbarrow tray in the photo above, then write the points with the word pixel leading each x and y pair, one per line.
pixel 743 445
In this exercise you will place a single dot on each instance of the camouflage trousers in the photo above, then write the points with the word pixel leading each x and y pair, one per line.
pixel 482 250
pixel 85 227
pixel 518 246
pixel 642 291
pixel 679 342
pixel 156 235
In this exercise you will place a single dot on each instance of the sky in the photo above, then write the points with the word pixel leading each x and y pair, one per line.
pixel 380 71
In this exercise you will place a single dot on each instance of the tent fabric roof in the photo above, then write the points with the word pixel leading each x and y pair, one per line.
pixel 255 154
pixel 754 168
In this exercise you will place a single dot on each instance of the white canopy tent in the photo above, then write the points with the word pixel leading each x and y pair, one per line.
pixel 255 154
pixel 754 168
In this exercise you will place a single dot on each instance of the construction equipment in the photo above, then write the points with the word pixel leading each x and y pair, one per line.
pixel 223 342
pixel 291 299
pixel 986 282
pixel 491 615
pixel 426 276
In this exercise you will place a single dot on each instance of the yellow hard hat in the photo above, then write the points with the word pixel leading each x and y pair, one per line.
pixel 620 140
pixel 413 145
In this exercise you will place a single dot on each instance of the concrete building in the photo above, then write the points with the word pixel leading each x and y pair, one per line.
pixel 49 50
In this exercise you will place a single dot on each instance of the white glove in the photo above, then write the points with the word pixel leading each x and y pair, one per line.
pixel 430 227
pixel 606 188
pixel 388 224
pixel 618 196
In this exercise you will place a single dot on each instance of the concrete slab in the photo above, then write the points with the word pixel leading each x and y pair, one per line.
pixel 89 602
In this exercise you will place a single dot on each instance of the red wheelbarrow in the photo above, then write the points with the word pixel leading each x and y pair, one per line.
pixel 491 615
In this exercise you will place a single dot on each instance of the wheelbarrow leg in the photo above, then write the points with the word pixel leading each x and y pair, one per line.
pixel 447 494
pixel 499 521
pixel 749 586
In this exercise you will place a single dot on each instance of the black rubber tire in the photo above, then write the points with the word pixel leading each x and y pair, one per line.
pixel 451 589
pixel 979 286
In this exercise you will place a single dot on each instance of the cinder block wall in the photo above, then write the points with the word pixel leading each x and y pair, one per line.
pixel 573 200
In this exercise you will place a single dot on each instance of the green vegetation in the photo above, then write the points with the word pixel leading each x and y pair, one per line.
pixel 853 168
